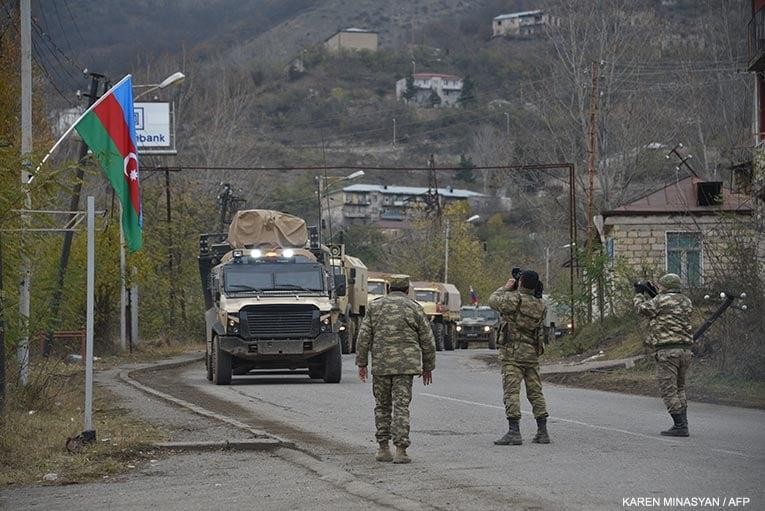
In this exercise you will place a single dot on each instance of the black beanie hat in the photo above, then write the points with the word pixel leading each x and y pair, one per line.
pixel 529 279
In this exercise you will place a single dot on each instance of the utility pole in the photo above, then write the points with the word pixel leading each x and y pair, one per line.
pixel 394 132
pixel 446 252
pixel 22 352
pixel 591 164
pixel 507 124
pixel 74 204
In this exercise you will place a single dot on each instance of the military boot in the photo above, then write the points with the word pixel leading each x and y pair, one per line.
pixel 513 435
pixel 401 456
pixel 541 437
pixel 383 453
pixel 680 428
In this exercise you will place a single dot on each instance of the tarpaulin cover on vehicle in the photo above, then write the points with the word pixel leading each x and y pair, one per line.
pixel 255 227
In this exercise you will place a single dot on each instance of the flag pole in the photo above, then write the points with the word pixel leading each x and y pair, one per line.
pixel 71 128
pixel 123 297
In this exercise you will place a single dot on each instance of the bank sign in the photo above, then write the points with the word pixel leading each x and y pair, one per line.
pixel 154 128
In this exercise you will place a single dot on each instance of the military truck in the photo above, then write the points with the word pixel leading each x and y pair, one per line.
pixel 478 323
pixel 353 304
pixel 377 285
pixel 270 296
pixel 441 303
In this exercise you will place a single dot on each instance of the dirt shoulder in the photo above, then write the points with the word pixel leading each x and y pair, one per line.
pixel 704 384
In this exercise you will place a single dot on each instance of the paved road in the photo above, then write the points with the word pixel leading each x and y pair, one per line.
pixel 605 446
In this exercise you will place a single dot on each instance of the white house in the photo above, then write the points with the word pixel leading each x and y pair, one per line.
pixel 447 87
pixel 520 24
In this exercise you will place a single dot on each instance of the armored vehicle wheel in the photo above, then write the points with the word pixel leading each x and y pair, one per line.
pixel 221 364
pixel 438 333
pixel 346 338
pixel 493 341
pixel 333 365
pixel 450 337
pixel 208 365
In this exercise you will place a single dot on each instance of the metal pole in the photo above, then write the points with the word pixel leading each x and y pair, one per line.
pixel 507 124
pixel 134 310
pixel 318 200
pixel 394 131
pixel 123 294
pixel 22 352
pixel 170 249
pixel 572 240
pixel 547 268
pixel 446 253
pixel 89 433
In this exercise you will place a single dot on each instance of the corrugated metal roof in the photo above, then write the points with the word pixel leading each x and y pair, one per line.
pixel 423 76
pixel 518 14
pixel 411 190
pixel 682 197
pixel 363 30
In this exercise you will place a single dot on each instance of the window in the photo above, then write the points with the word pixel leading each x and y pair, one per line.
pixel 684 256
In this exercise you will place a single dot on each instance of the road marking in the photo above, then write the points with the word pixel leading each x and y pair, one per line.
pixel 586 424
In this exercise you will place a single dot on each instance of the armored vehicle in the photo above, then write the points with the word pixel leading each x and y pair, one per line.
pixel 478 323
pixel 270 298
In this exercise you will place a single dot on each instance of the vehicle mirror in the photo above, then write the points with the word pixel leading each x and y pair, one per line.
pixel 352 280
pixel 340 285
pixel 217 297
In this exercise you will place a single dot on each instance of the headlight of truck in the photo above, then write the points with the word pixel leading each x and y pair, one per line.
pixel 326 324
pixel 487 328
pixel 232 324
pixel 459 328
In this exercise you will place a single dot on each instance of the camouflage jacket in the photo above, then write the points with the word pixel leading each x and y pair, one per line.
pixel 523 314
pixel 396 331
pixel 669 318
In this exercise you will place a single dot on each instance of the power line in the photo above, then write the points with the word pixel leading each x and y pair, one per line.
pixel 52 43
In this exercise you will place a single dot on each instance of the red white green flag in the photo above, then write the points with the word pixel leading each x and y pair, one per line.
pixel 108 128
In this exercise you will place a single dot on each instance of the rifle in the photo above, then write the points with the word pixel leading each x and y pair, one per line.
pixel 728 299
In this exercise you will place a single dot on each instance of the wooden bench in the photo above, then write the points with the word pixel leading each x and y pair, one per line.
pixel 62 337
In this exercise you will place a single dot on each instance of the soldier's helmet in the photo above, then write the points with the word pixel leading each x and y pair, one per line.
pixel 399 282
pixel 671 281
pixel 529 279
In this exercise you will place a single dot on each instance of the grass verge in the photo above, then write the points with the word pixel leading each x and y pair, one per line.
pixel 41 416
pixel 704 383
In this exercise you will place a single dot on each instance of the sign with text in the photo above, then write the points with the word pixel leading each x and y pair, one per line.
pixel 155 128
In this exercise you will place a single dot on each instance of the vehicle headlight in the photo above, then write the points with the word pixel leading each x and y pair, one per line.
pixel 255 252
pixel 288 252
pixel 569 325
pixel 487 328
pixel 232 324
pixel 459 328
pixel 326 324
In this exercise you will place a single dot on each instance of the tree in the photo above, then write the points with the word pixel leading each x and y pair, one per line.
pixel 434 99
pixel 467 94
pixel 411 91
pixel 465 173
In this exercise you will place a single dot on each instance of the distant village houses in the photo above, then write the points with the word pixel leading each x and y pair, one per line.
pixel 388 206
pixel 352 39
pixel 430 89
pixel 686 227
pixel 520 24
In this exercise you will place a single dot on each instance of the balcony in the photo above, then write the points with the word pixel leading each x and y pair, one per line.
pixel 756 41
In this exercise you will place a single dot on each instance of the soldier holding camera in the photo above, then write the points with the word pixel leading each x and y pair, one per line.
pixel 670 334
pixel 519 350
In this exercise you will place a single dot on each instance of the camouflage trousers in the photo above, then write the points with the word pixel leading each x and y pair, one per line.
pixel 671 367
pixel 513 373
pixel 392 397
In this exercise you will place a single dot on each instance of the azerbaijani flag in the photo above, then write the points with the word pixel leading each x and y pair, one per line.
pixel 108 128
pixel 473 296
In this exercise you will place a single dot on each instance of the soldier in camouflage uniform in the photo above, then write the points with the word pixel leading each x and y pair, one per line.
pixel 519 349
pixel 396 331
pixel 670 334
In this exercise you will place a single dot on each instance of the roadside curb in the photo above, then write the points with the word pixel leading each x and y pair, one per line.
pixel 264 441
pixel 600 365
pixel 273 442
pixel 256 444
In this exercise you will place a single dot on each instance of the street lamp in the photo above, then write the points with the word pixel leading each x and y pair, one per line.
pixel 322 191
pixel 174 78
pixel 470 220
